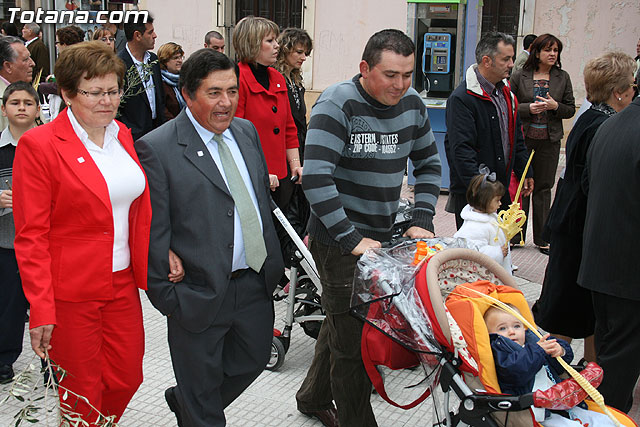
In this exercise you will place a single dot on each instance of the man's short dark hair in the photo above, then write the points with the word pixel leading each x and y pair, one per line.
pixel 528 39
pixel 10 28
pixel 488 44
pixel 392 40
pixel 135 23
pixel 213 34
pixel 20 85
pixel 7 52
pixel 199 65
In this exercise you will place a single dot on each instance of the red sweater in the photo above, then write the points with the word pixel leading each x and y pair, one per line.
pixel 270 112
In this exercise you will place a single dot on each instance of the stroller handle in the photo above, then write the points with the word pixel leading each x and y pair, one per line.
pixel 282 219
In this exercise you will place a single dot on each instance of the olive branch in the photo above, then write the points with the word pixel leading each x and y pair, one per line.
pixel 134 81
pixel 37 401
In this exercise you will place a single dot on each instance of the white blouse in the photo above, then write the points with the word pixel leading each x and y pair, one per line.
pixel 125 182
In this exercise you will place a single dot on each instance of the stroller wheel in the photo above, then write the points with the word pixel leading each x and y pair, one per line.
pixel 277 355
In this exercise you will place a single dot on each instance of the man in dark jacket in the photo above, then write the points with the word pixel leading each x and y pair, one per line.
pixel 609 254
pixel 37 49
pixel 142 106
pixel 483 125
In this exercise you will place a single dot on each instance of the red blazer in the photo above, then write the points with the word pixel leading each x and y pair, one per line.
pixel 64 223
pixel 270 112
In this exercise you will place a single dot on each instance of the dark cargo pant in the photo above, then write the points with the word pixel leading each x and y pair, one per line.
pixel 337 372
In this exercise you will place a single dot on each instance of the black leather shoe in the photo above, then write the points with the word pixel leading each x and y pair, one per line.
pixel 6 374
pixel 170 397
pixel 328 417
pixel 544 249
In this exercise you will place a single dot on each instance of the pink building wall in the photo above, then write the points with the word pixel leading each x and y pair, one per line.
pixel 588 28
pixel 184 22
pixel 341 30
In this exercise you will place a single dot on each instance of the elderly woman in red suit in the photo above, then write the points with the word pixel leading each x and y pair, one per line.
pixel 264 101
pixel 82 216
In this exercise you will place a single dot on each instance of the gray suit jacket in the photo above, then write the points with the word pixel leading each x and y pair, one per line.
pixel 193 215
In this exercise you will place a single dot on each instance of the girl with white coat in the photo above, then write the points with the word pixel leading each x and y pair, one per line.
pixel 481 218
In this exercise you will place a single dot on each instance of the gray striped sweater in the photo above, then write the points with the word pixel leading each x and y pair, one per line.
pixel 355 157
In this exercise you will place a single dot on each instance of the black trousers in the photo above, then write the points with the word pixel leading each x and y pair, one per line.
pixel 544 165
pixel 617 347
pixel 215 366
pixel 455 204
pixel 13 306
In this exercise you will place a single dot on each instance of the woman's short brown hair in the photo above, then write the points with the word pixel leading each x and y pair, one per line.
pixel 168 51
pixel 248 35
pixel 68 35
pixel 606 73
pixel 481 192
pixel 88 60
pixel 104 32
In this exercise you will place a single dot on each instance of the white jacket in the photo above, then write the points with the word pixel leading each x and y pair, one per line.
pixel 482 229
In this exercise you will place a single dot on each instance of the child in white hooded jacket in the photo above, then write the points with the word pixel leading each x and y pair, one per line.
pixel 481 218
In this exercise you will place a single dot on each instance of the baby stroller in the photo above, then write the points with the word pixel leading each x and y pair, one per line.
pixel 404 304
pixel 302 295
pixel 303 292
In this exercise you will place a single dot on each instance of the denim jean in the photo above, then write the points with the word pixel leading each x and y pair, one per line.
pixel 337 372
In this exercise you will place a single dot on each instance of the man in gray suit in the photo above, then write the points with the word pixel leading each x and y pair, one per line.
pixel 210 198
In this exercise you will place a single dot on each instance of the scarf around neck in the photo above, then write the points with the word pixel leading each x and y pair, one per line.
pixel 172 80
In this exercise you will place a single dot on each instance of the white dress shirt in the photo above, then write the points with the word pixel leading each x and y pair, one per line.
pixel 148 84
pixel 6 138
pixel 125 182
pixel 239 262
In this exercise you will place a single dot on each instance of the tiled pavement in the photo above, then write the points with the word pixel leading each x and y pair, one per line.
pixel 270 401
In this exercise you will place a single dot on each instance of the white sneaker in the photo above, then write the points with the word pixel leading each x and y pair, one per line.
pixel 514 267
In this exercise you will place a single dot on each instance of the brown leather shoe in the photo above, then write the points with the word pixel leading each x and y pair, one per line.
pixel 328 417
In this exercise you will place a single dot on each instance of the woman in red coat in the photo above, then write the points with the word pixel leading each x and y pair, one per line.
pixel 82 216
pixel 265 102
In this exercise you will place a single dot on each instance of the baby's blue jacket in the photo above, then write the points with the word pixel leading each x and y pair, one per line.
pixel 517 366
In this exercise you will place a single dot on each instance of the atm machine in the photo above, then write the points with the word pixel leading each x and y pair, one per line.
pixel 437 27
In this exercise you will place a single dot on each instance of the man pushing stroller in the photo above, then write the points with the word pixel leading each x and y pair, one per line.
pixel 361 133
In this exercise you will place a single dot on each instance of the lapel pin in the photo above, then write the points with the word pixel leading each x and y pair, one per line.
pixel 200 154
pixel 278 84
pixel 80 159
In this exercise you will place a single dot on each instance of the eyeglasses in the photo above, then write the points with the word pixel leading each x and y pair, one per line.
pixel 633 85
pixel 104 39
pixel 97 95
pixel 177 58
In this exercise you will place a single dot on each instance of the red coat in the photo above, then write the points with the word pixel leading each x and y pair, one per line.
pixel 64 224
pixel 270 112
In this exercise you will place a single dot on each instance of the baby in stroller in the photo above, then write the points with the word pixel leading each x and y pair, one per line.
pixel 525 363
